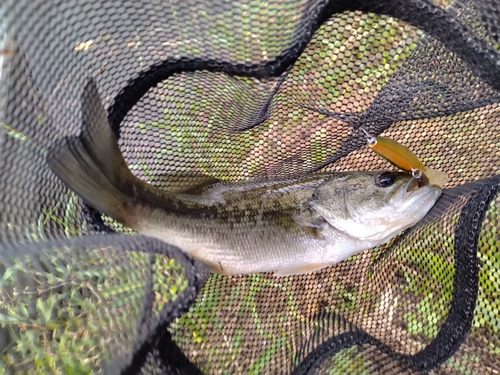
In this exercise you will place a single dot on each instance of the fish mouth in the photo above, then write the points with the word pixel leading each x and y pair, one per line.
pixel 416 183
pixel 419 191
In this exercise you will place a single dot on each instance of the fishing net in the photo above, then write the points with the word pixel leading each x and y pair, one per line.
pixel 198 91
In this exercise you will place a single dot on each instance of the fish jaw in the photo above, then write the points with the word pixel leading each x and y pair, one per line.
pixel 404 209
pixel 412 208
pixel 347 243
pixel 419 202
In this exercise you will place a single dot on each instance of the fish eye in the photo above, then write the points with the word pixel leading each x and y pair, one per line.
pixel 384 179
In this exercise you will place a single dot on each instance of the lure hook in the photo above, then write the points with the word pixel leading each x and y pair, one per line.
pixel 372 141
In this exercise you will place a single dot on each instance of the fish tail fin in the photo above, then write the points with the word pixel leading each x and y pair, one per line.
pixel 92 164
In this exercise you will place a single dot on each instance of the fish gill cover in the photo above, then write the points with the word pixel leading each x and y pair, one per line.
pixel 198 91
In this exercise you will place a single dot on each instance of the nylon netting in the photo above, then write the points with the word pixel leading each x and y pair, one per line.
pixel 201 91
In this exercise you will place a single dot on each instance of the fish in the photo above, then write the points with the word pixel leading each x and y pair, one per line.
pixel 403 158
pixel 288 225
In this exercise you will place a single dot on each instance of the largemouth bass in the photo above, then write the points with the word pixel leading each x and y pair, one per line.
pixel 286 225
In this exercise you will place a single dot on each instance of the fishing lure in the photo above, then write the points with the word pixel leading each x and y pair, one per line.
pixel 395 153
pixel 402 157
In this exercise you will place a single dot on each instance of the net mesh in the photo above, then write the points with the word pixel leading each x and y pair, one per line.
pixel 200 91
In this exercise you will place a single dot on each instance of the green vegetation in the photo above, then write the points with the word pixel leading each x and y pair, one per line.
pixel 487 313
pixel 349 361
pixel 347 65
pixel 78 308
pixel 68 310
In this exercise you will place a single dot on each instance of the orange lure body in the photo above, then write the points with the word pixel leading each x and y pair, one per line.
pixel 401 157
pixel 397 154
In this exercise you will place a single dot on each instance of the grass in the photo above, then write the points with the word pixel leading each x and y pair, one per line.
pixel 487 313
pixel 72 318
pixel 226 155
pixel 85 308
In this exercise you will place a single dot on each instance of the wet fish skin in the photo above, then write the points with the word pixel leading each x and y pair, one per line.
pixel 286 225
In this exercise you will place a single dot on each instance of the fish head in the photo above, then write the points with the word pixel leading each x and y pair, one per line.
pixel 374 206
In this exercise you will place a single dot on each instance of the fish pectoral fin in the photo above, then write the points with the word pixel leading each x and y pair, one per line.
pixel 310 221
pixel 302 269
pixel 311 225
